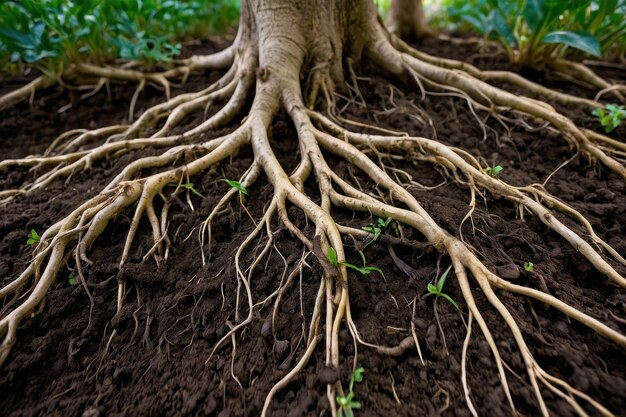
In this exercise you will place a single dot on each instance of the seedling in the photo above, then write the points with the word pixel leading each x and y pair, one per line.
pixel 237 186
pixel 72 279
pixel 494 171
pixel 331 255
pixel 189 186
pixel 529 267
pixel 376 229
pixel 437 291
pixel 33 238
pixel 610 117
pixel 347 404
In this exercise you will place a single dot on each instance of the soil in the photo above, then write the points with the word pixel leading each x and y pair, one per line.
pixel 154 357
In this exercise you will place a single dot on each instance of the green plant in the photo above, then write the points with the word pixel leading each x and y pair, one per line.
pixel 237 186
pixel 529 267
pixel 610 116
pixel 331 255
pixel 376 229
pixel 494 171
pixel 189 186
pixel 536 31
pixel 49 35
pixel 33 238
pixel 72 279
pixel 347 404
pixel 437 290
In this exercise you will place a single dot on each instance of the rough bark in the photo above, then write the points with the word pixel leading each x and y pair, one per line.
pixel 406 19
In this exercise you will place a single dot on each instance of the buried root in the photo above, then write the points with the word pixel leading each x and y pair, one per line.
pixel 273 77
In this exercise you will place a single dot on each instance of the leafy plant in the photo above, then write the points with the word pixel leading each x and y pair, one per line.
pixel 331 255
pixel 72 279
pixel 49 35
pixel 610 117
pixel 529 267
pixel 437 290
pixel 33 238
pixel 534 32
pixel 347 404
pixel 494 171
pixel 376 229
pixel 237 186
pixel 189 186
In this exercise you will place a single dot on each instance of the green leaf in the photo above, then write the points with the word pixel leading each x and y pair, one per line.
pixel 529 266
pixel 500 25
pixel 442 279
pixel 598 112
pixel 357 375
pixel 384 223
pixel 33 238
pixel 342 401
pixel 355 405
pixel 581 41
pixel 237 186
pixel 332 256
pixel 494 170
pixel 432 289
pixel 533 14
pixel 72 279
pixel 189 186
pixel 447 297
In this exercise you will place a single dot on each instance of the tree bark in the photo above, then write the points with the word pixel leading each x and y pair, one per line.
pixel 406 19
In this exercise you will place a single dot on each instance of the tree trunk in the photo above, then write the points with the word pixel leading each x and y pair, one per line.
pixel 296 37
pixel 406 19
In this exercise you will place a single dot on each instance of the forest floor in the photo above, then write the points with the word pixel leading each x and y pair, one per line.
pixel 157 362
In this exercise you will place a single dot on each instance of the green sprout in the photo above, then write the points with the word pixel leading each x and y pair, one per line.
pixel 72 279
pixel 494 171
pixel 610 117
pixel 331 255
pixel 189 186
pixel 529 267
pixel 33 238
pixel 347 404
pixel 437 290
pixel 237 186
pixel 376 229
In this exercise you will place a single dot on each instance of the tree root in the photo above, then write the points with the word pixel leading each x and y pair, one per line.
pixel 82 73
pixel 278 88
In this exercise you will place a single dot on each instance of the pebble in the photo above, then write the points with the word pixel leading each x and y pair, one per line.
pixel 508 272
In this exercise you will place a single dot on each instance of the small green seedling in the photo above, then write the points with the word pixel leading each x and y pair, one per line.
pixel 494 171
pixel 376 229
pixel 529 267
pixel 331 255
pixel 189 186
pixel 437 291
pixel 610 117
pixel 347 404
pixel 33 238
pixel 72 279
pixel 237 186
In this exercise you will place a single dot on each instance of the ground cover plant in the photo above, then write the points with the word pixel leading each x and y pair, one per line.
pixel 273 140
pixel 540 34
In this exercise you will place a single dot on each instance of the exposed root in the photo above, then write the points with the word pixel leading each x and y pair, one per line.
pixel 278 88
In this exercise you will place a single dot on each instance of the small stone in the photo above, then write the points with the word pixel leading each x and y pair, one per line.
pixel 266 329
pixel 509 271
pixel 281 348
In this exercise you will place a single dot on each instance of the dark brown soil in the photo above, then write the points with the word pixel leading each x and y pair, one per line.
pixel 67 363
